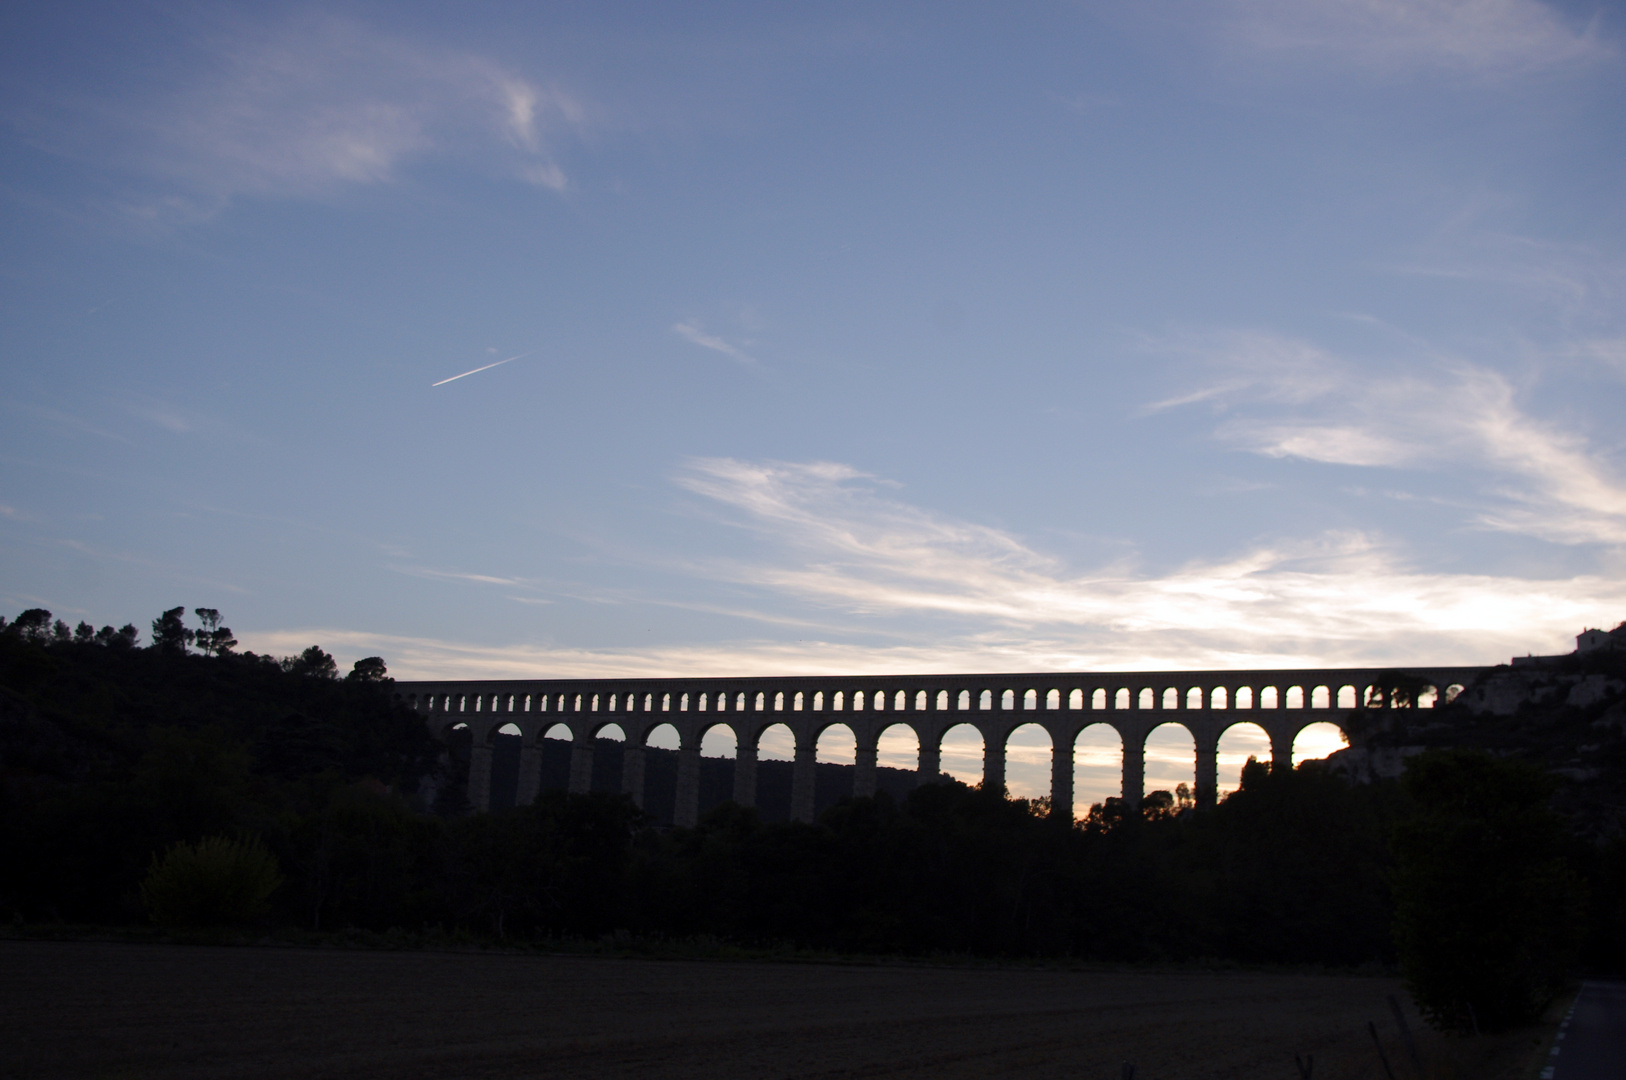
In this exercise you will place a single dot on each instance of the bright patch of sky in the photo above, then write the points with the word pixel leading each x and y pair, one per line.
pixel 546 340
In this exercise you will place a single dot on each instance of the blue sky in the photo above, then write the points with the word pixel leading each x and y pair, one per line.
pixel 849 338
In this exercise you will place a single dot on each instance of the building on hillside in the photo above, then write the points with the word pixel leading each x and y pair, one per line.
pixel 1587 640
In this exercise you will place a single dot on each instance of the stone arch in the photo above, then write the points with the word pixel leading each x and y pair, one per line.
pixel 1097 766
pixel 960 752
pixel 1317 740
pixel 458 738
pixel 1270 697
pixel 708 765
pixel 775 741
pixel 719 740
pixel 601 730
pixel 765 760
pixel 1028 751
pixel 1294 698
pixel 663 736
pixel 898 746
pixel 1238 742
pixel 834 744
pixel 596 761
pixel 1170 751
pixel 830 743
pixel 503 742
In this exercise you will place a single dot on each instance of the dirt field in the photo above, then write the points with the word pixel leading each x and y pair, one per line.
pixel 86 1010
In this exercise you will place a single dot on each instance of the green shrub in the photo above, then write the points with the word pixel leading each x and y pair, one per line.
pixel 215 882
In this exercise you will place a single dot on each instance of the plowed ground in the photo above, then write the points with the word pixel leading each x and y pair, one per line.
pixel 88 1009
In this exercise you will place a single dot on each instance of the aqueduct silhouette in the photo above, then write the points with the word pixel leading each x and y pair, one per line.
pixel 1206 703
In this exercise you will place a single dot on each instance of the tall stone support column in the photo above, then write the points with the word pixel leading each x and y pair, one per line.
pixel 1061 778
pixel 864 772
pixel 1134 768
pixel 745 775
pixel 479 771
pixel 530 771
pixel 1281 746
pixel 993 763
pixel 581 764
pixel 686 813
pixel 804 774
pixel 1207 792
pixel 931 760
pixel 632 773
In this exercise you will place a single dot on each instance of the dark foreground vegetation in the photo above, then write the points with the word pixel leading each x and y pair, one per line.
pixel 192 785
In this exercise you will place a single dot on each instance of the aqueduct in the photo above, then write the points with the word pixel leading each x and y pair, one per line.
pixel 1205 703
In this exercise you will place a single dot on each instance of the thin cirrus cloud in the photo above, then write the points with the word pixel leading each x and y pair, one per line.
pixel 836 540
pixel 1480 37
pixel 903 589
pixel 691 331
pixel 320 103
pixel 1576 284
pixel 1286 398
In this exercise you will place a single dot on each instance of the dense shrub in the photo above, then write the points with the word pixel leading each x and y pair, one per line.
pixel 1488 913
pixel 217 881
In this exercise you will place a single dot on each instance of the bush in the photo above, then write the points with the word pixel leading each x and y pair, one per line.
pixel 215 882
pixel 1487 910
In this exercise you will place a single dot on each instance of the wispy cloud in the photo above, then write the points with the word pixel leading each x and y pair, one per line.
pixel 1355 605
pixel 317 103
pixel 155 569
pixel 456 575
pixel 1288 398
pixel 160 414
pixel 1578 284
pixel 692 331
pixel 1480 37
pixel 847 576
pixel 74 423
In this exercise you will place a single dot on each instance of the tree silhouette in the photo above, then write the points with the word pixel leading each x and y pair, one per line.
pixel 368 669
pixel 169 634
pixel 33 625
pixel 1396 690
pixel 213 639
pixel 313 662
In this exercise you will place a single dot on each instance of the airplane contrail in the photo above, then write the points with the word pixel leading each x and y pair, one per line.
pixel 477 370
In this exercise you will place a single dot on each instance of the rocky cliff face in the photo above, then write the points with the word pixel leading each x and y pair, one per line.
pixel 1566 712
